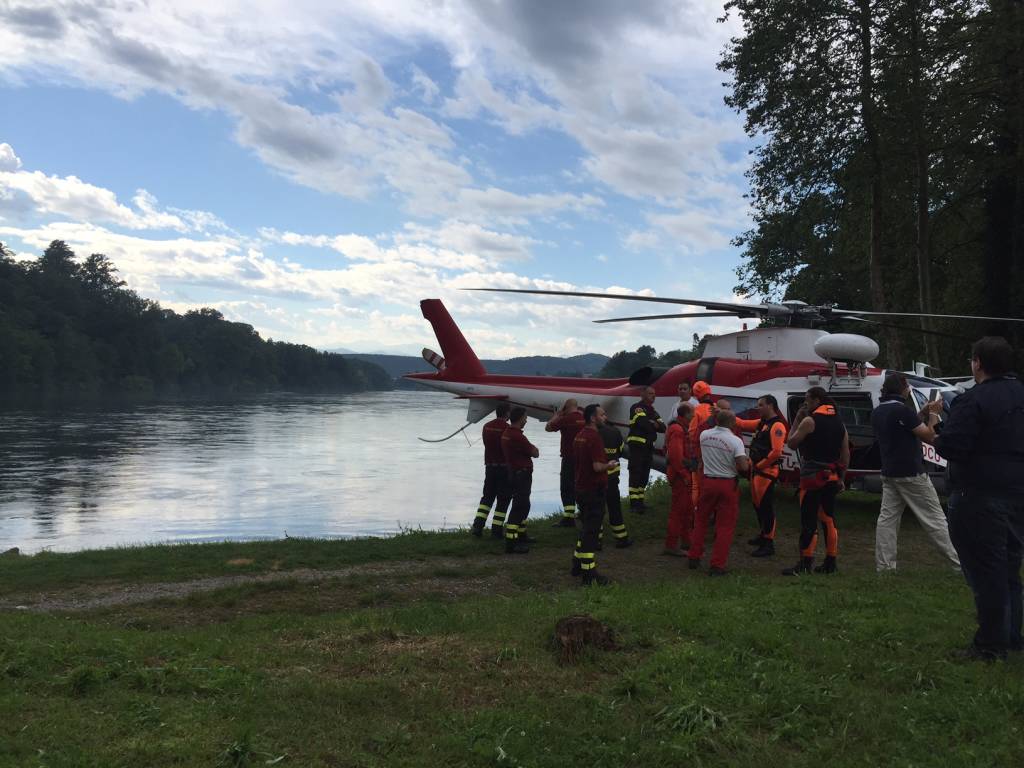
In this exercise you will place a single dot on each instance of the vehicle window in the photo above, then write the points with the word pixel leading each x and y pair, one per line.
pixel 919 398
pixel 744 407
pixel 855 411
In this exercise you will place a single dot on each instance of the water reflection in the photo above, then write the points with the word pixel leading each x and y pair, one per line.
pixel 311 466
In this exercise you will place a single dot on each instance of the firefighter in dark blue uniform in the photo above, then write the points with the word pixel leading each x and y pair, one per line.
pixel 983 441
pixel 644 426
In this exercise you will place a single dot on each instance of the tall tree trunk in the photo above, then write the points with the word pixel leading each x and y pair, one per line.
pixel 921 164
pixel 1004 188
pixel 867 98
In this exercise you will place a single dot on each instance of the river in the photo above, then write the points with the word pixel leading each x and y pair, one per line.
pixel 315 466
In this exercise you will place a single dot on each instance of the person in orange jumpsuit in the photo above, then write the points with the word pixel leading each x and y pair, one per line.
pixel 766 449
pixel 681 461
pixel 701 414
pixel 824 446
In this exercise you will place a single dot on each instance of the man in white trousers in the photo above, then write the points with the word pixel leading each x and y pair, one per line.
pixel 899 431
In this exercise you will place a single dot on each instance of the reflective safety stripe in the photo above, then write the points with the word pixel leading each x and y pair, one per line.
pixel 585 555
pixel 482 515
pixel 511 531
pixel 636 439
pixel 569 509
pixel 614 470
pixel 636 417
pixel 499 517
pixel 588 565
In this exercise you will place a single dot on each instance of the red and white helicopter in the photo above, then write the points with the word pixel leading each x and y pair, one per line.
pixel 783 360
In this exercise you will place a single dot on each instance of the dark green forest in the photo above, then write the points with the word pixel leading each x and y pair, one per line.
pixel 70 328
pixel 888 173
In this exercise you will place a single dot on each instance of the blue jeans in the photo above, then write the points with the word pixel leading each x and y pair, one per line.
pixel 988 534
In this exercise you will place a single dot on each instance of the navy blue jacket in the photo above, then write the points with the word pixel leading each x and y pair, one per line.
pixel 983 439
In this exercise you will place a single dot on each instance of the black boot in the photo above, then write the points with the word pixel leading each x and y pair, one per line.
pixel 478 528
pixel 497 532
pixel 592 578
pixel 577 569
pixel 515 547
pixel 829 566
pixel 757 541
pixel 766 549
pixel 802 566
pixel 623 543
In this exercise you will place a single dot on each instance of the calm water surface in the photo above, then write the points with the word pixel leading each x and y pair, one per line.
pixel 337 466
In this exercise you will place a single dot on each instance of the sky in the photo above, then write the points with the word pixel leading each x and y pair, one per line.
pixel 315 169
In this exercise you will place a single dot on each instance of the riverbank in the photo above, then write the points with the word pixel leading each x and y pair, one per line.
pixel 434 649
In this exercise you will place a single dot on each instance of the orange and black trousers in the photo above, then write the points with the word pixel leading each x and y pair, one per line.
pixel 497 485
pixel 762 494
pixel 818 506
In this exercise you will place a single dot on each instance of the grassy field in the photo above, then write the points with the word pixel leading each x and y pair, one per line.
pixel 435 649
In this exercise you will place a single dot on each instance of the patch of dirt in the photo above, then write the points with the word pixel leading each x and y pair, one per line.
pixel 544 568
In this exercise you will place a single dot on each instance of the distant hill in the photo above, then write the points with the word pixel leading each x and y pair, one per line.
pixel 534 365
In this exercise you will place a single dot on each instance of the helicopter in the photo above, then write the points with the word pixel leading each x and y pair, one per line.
pixel 782 359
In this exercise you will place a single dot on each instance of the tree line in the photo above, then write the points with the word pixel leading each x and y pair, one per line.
pixel 889 169
pixel 70 328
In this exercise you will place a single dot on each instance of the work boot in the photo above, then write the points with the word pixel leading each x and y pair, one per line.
pixel 766 549
pixel 516 547
pixel 577 569
pixel 693 564
pixel 526 538
pixel 592 578
pixel 757 541
pixel 564 522
pixel 716 571
pixel 623 543
pixel 497 532
pixel 478 528
pixel 974 653
pixel 802 566
pixel 829 566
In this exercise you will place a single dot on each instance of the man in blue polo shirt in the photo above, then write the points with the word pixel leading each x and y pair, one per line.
pixel 899 431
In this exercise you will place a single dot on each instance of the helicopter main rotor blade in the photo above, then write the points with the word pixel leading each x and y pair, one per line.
pixel 667 317
pixel 910 328
pixel 925 314
pixel 723 306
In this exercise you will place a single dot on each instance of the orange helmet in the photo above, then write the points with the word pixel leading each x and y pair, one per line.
pixel 701 389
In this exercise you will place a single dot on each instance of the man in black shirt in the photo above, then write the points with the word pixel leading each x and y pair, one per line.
pixel 983 441
pixel 899 431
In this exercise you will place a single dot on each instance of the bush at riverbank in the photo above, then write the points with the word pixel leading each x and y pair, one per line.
pixel 434 649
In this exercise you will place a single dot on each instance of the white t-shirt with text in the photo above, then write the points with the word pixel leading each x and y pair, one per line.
pixel 719 448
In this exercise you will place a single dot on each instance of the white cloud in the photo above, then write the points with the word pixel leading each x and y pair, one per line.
pixel 8 160
pixel 638 240
pixel 610 75
pixel 427 88
pixel 70 197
